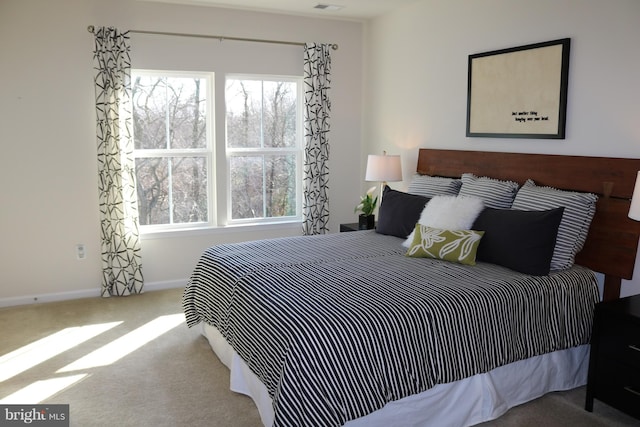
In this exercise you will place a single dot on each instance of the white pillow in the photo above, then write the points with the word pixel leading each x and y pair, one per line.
pixel 449 213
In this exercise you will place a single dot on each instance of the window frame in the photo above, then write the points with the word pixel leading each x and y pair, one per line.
pixel 297 149
pixel 208 152
pixel 218 156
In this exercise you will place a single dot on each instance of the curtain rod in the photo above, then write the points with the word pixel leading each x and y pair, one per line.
pixel 334 46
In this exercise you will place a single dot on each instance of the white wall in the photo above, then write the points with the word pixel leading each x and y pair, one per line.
pixel 414 95
pixel 47 131
pixel 416 87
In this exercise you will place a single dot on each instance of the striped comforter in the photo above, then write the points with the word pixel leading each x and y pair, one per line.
pixel 338 325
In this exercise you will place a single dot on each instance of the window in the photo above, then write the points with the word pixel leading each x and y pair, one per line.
pixel 172 147
pixel 175 145
pixel 263 131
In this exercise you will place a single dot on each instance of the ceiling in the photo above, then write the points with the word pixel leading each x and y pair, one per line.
pixel 346 9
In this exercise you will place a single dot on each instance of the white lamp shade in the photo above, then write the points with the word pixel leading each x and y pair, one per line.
pixel 383 168
pixel 634 210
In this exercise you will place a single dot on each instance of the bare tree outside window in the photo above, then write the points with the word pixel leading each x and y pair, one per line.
pixel 174 148
pixel 169 121
pixel 262 122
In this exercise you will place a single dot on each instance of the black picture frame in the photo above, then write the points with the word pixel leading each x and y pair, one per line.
pixel 519 92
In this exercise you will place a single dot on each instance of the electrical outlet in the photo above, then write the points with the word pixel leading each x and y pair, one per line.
pixel 80 251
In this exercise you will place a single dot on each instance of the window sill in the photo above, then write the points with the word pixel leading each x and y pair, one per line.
pixel 234 228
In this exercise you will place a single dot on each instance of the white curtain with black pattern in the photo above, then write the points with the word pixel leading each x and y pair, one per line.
pixel 120 239
pixel 317 82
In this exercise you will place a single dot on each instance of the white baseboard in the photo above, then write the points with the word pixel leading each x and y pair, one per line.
pixel 165 284
pixel 84 293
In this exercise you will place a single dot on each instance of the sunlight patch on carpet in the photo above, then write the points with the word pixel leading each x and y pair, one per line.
pixel 41 390
pixel 117 349
pixel 18 361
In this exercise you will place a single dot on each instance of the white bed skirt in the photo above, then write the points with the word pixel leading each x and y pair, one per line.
pixel 467 402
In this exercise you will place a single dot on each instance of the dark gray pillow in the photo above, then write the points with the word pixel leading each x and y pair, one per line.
pixel 520 240
pixel 399 212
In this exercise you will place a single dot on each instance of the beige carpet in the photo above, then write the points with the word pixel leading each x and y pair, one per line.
pixel 174 379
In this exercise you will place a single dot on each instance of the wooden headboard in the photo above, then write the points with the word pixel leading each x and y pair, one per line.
pixel 613 238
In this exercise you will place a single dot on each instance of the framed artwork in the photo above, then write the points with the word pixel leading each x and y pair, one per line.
pixel 520 92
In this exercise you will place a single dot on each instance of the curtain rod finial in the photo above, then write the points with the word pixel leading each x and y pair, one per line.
pixel 334 46
pixel 91 29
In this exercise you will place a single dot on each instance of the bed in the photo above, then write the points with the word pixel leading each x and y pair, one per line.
pixel 345 329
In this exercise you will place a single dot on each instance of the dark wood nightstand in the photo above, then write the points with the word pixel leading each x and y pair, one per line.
pixel 352 226
pixel 614 364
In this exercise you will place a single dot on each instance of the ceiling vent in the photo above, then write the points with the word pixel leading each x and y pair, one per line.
pixel 332 7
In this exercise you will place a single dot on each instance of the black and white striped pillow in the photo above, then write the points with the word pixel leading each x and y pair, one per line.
pixel 431 186
pixel 493 192
pixel 579 209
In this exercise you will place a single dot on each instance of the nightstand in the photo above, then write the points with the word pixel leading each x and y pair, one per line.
pixel 353 226
pixel 614 364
